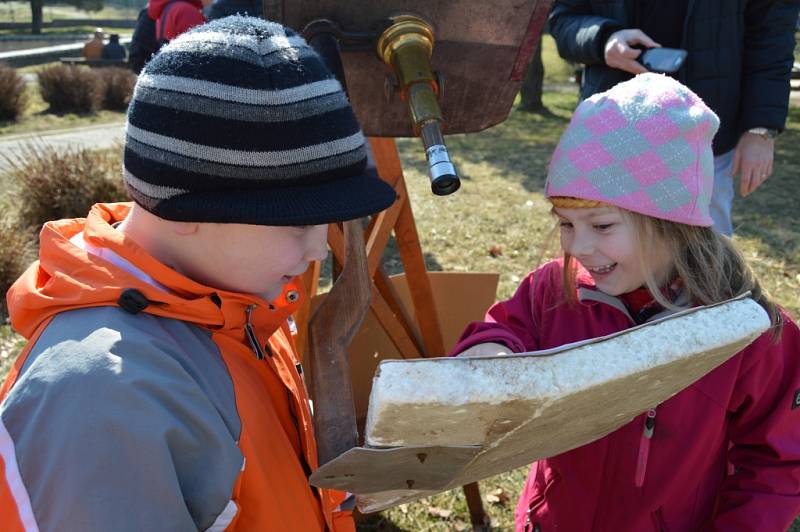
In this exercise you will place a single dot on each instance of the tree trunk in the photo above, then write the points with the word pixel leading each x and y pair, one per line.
pixel 531 90
pixel 37 16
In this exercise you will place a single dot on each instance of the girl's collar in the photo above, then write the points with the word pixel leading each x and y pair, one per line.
pixel 638 305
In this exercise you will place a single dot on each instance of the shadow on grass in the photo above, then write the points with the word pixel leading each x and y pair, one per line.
pixel 377 523
pixel 544 112
pixel 69 115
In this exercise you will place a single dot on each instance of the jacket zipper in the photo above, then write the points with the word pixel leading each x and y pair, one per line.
pixel 251 335
pixel 256 347
pixel 644 446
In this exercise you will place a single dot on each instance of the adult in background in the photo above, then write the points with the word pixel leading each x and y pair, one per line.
pixel 93 49
pixel 113 50
pixel 740 55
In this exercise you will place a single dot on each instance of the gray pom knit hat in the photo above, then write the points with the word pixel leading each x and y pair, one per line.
pixel 240 121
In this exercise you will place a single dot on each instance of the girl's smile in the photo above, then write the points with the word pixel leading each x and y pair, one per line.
pixel 601 270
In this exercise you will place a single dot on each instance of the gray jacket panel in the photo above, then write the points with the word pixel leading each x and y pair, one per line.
pixel 124 422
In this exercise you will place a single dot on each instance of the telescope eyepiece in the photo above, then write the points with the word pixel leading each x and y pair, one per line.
pixel 444 179
pixel 445 185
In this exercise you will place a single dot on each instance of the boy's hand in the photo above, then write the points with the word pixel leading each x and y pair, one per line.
pixel 620 54
pixel 488 349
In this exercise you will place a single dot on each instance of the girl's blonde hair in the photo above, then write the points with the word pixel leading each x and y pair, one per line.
pixel 709 266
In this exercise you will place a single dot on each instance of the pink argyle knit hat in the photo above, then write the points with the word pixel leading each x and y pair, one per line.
pixel 645 146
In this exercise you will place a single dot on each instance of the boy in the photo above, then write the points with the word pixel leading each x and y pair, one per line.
pixel 159 388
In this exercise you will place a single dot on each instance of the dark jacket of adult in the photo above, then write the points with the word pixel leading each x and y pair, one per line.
pixel 740 55
pixel 224 8
pixel 114 50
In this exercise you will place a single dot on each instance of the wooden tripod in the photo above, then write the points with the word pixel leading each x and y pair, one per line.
pixel 413 340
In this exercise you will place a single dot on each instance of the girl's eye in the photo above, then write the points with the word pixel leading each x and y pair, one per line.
pixel 603 227
pixel 565 225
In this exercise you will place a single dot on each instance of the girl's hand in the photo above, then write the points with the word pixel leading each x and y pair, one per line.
pixel 483 350
pixel 619 53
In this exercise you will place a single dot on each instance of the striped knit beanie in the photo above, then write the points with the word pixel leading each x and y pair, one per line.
pixel 645 146
pixel 239 121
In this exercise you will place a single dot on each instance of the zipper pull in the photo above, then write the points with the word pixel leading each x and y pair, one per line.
pixel 644 446
pixel 650 423
pixel 251 335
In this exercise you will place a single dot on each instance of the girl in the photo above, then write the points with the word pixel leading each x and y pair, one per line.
pixel 630 183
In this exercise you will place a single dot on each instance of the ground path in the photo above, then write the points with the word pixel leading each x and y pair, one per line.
pixel 94 136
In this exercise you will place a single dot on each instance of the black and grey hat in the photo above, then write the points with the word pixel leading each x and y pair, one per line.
pixel 239 121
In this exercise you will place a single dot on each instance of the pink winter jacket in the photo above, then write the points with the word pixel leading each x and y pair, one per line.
pixel 724 453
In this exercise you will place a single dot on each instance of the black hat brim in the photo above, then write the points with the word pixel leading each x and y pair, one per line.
pixel 326 202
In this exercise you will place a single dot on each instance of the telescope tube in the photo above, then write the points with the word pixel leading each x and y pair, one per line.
pixel 406 46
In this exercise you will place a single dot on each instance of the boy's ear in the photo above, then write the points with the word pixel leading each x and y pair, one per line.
pixel 184 228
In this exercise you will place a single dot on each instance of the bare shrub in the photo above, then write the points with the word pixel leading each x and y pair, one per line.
pixel 118 83
pixel 13 96
pixel 71 89
pixel 52 184
pixel 16 252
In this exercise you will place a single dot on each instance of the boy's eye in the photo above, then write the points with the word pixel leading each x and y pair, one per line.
pixel 565 225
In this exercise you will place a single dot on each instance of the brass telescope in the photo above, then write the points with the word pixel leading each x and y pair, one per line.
pixel 406 46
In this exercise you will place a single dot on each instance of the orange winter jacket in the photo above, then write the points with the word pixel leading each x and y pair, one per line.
pixel 147 401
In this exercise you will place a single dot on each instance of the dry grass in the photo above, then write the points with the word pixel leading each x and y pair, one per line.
pixel 50 184
pixel 16 252
pixel 13 94
pixel 112 88
pixel 36 118
pixel 45 184
pixel 117 87
pixel 71 89
pixel 10 345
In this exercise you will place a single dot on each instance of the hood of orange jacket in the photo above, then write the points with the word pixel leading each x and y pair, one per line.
pixel 67 277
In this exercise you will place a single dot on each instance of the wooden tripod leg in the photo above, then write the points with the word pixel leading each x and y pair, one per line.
pixel 389 294
pixel 385 304
pixel 387 161
pixel 480 520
